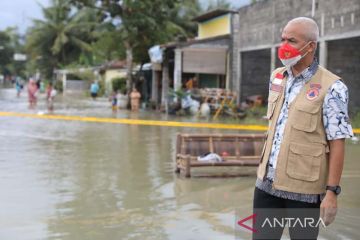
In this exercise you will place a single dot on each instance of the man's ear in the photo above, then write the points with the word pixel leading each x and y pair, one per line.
pixel 312 47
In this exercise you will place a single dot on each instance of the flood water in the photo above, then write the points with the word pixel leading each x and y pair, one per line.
pixel 82 180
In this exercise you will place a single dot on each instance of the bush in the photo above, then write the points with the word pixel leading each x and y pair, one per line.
pixel 101 88
pixel 119 84
pixel 58 86
pixel 83 75
pixel 179 94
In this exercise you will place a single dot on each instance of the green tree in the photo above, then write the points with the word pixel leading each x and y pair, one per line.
pixel 143 23
pixel 62 37
pixel 108 45
pixel 6 50
pixel 17 46
pixel 10 43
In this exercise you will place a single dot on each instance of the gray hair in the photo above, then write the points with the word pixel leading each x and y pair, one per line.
pixel 311 27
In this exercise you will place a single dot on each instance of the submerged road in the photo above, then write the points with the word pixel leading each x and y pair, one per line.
pixel 85 179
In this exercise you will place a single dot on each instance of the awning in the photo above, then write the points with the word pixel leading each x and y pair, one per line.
pixel 204 60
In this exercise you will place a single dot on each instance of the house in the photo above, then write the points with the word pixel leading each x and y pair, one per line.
pixel 257 39
pixel 110 71
pixel 237 50
pixel 206 57
pixel 72 83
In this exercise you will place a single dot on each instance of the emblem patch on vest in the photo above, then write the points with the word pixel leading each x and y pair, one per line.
pixel 315 85
pixel 312 93
pixel 279 75
pixel 278 79
pixel 276 87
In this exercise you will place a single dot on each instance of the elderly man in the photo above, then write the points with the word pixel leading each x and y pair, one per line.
pixel 302 160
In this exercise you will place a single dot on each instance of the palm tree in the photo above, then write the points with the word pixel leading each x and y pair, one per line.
pixel 144 23
pixel 62 36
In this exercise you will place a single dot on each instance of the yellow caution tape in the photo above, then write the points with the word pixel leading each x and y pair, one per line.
pixel 142 122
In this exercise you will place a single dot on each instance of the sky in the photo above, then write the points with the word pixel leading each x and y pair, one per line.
pixel 20 12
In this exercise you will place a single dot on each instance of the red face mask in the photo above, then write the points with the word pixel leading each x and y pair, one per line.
pixel 289 55
pixel 287 51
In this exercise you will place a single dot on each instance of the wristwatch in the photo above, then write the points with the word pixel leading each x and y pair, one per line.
pixel 335 189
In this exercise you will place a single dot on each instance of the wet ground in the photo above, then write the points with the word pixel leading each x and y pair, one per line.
pixel 78 180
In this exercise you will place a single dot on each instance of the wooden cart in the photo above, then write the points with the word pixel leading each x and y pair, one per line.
pixel 235 150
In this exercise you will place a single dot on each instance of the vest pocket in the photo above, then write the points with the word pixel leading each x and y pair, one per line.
pixel 273 97
pixel 304 161
pixel 306 117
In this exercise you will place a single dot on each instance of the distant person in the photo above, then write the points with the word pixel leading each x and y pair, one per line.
pixel 32 92
pixel 13 79
pixel 189 84
pixel 50 96
pixel 18 86
pixel 113 99
pixel 42 86
pixel 94 89
pixel 38 84
pixel 135 99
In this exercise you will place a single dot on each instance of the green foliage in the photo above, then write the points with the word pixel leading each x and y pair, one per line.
pixel 180 23
pixel 108 45
pixel 6 51
pixel 10 43
pixel 59 86
pixel 179 94
pixel 87 75
pixel 142 24
pixel 90 32
pixel 101 88
pixel 62 37
pixel 145 23
pixel 119 84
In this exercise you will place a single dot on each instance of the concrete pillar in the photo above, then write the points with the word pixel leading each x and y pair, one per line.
pixel 323 53
pixel 64 78
pixel 178 69
pixel 272 59
pixel 235 64
pixel 322 25
pixel 228 72
pixel 154 87
pixel 165 82
pixel 238 82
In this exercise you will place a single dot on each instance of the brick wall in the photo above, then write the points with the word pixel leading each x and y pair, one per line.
pixel 344 61
pixel 261 23
pixel 259 29
pixel 255 73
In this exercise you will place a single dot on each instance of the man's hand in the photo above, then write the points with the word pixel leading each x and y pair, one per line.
pixel 328 208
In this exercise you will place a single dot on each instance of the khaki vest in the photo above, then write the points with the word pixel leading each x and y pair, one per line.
pixel 302 163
